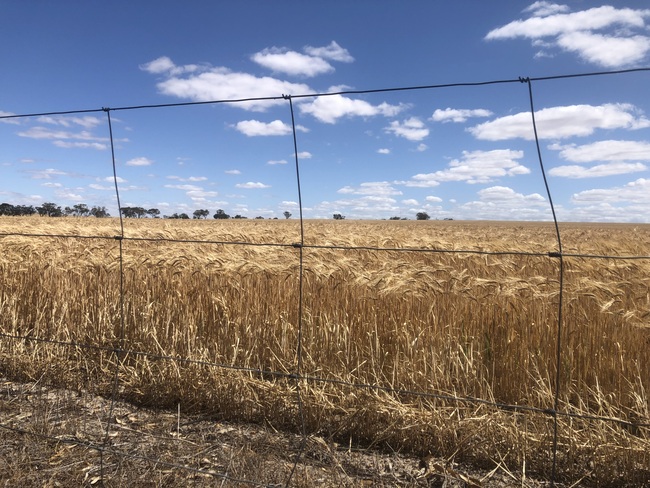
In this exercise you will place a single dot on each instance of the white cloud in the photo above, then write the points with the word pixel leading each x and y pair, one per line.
pixel 201 194
pixel 81 145
pixel 433 199
pixel 562 122
pixel 232 172
pixel 14 121
pixel 291 62
pixel 607 51
pixel 66 139
pixel 458 115
pixel 274 162
pixel 383 151
pixel 330 108
pixel 637 192
pixel 276 128
pixel 95 186
pixel 190 178
pixel 46 174
pixel 410 201
pixel 608 169
pixel 313 63
pixel 185 187
pixel 609 150
pixel 506 194
pixel 371 188
pixel 474 167
pixel 412 129
pixel 422 147
pixel 624 42
pixel 333 51
pixel 207 83
pixel 142 161
pixel 164 65
pixel 87 122
pixel 112 179
pixel 542 9
pixel 252 185
pixel 304 155
pixel 504 203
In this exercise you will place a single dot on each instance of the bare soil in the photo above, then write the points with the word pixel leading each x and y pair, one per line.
pixel 52 437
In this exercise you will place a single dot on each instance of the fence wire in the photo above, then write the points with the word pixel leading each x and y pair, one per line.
pixel 297 376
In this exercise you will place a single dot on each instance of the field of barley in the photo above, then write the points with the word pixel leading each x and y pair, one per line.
pixel 415 337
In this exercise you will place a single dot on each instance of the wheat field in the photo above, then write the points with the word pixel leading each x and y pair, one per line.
pixel 395 319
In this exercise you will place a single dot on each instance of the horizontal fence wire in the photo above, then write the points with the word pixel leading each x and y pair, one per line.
pixel 121 351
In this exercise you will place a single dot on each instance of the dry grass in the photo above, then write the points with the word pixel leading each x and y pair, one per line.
pixel 456 324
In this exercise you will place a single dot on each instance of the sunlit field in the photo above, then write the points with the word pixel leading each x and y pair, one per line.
pixel 220 321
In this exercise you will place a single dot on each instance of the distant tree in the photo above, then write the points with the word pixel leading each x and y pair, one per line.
pixel 99 212
pixel 259 217
pixel 221 215
pixel 183 216
pixel 286 214
pixel 16 210
pixel 338 216
pixel 394 218
pixel 81 210
pixel 49 209
pixel 422 216
pixel 201 214
pixel 133 212
pixel 239 217
pixel 153 213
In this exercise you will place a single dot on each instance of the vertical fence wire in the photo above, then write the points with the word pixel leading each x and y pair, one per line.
pixel 119 350
pixel 558 353
pixel 298 368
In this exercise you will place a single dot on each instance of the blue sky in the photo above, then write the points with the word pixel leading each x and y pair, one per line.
pixel 459 152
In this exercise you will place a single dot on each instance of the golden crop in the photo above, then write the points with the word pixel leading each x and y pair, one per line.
pixel 215 325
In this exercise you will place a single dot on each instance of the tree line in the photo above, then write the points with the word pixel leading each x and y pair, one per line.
pixel 49 209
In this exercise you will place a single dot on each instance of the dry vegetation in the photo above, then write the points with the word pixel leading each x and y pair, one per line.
pixel 446 324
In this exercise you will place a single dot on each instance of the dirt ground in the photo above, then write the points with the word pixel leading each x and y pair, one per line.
pixel 58 438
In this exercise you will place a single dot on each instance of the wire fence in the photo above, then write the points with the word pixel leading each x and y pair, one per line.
pixel 122 349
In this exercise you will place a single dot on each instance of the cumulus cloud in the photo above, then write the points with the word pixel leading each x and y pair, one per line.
pixel 458 115
pixel 599 170
pixel 313 62
pixel 332 51
pixel 562 122
pixel 474 167
pixel 46 174
pixel 383 150
pixel 185 187
pixel 83 145
pixel 207 83
pixel 292 62
pixel 637 192
pixel 605 36
pixel 614 153
pixel 330 108
pixel 412 129
pixel 253 128
pixel 232 172
pixel 252 185
pixel 142 161
pixel 189 178
pixel 371 188
pixel 274 162
pixel 14 121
